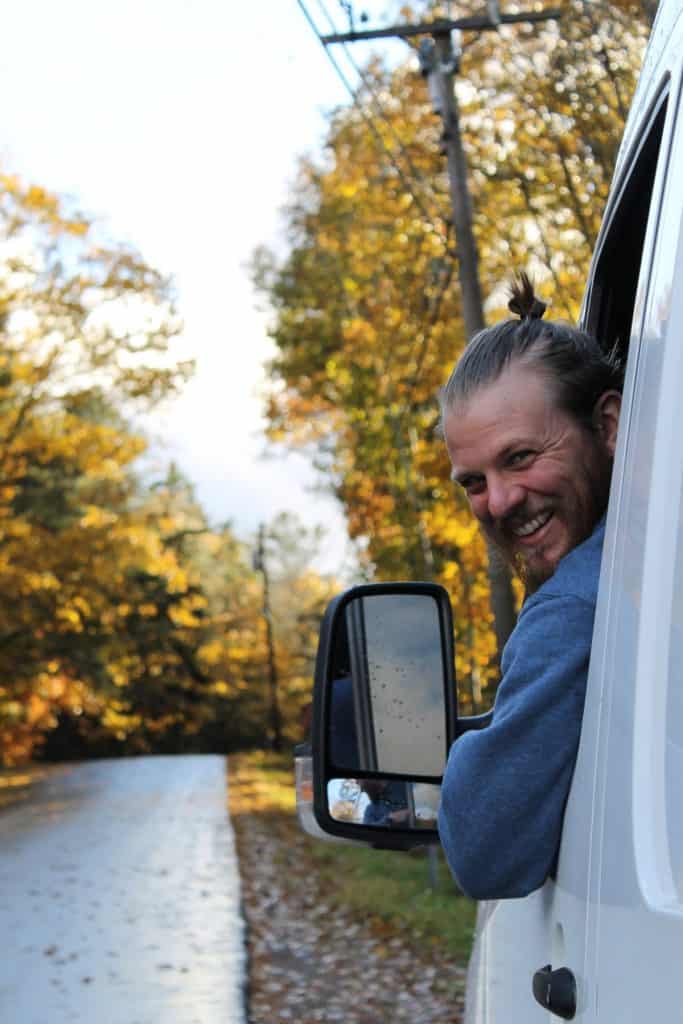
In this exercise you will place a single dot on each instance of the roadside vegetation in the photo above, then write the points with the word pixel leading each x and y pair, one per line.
pixel 390 890
pixel 16 784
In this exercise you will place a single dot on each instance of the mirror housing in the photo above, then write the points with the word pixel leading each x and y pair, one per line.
pixel 384 713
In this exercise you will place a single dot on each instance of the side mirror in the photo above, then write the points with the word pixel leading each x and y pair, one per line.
pixel 384 713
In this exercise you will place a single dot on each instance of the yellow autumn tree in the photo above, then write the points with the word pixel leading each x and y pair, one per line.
pixel 128 622
pixel 85 329
pixel 366 315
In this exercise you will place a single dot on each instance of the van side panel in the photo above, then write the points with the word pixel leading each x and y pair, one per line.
pixel 614 914
pixel 635 919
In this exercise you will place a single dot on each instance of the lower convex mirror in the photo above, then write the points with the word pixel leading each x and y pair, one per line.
pixel 303 780
pixel 387 803
pixel 384 712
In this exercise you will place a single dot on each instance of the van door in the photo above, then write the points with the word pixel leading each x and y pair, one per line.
pixel 634 714
pixel 558 925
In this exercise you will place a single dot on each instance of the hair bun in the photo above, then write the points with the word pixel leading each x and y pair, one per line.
pixel 523 302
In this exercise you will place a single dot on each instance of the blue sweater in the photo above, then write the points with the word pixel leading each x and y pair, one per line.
pixel 505 787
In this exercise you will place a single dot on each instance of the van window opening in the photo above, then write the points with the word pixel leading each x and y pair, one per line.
pixel 615 280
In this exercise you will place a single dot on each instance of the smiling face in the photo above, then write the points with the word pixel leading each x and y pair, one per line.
pixel 536 479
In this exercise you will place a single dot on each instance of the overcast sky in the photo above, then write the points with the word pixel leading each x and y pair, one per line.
pixel 178 124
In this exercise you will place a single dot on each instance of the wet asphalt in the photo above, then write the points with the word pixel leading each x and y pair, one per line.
pixel 120 897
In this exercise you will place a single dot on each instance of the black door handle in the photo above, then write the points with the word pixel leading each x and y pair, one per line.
pixel 556 990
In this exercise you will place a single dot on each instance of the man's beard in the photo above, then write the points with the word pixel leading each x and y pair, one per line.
pixel 532 575
pixel 528 566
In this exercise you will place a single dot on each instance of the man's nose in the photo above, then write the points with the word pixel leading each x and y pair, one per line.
pixel 503 496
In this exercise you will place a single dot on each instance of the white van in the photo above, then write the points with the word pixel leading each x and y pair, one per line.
pixel 611 921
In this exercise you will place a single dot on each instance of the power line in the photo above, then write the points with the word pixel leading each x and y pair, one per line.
pixel 369 121
pixel 425 213
pixel 422 342
pixel 423 338
pixel 377 103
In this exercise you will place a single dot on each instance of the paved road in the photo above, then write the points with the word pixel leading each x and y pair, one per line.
pixel 119 897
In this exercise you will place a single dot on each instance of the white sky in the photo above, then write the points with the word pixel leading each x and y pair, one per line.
pixel 177 124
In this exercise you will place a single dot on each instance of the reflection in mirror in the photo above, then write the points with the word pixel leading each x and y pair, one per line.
pixel 389 803
pixel 387 709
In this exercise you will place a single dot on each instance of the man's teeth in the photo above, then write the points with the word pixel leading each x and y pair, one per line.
pixel 532 525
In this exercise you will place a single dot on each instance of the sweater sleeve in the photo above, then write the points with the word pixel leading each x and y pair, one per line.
pixel 505 787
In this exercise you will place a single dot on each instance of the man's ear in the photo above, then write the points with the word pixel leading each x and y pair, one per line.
pixel 606 419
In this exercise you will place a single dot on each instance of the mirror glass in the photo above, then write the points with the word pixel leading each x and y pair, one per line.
pixel 388 803
pixel 387 708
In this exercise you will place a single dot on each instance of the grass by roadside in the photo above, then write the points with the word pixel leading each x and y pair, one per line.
pixel 261 783
pixel 390 888
pixel 16 784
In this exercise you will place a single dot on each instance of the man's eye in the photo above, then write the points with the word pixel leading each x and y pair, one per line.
pixel 473 485
pixel 521 457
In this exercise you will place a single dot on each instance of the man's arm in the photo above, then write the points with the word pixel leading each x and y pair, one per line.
pixel 505 787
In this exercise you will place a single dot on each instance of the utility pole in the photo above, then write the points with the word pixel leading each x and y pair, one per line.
pixel 259 563
pixel 439 63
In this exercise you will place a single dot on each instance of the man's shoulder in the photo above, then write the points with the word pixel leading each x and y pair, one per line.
pixel 556 622
pixel 578 574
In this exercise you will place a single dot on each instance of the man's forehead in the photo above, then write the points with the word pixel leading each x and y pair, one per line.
pixel 519 388
pixel 498 417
